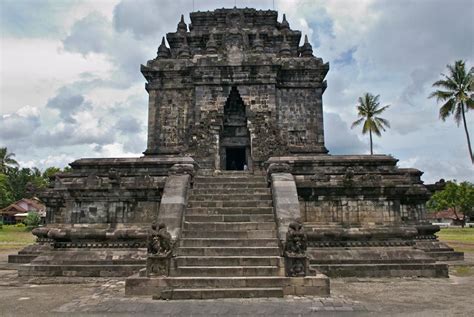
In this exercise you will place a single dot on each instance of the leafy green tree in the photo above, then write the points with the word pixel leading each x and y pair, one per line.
pixel 458 197
pixel 368 109
pixel 28 182
pixel 33 219
pixel 456 94
pixel 50 172
pixel 6 196
pixel 6 160
pixel 25 182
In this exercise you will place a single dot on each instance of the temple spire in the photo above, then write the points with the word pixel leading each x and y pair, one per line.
pixel 306 50
pixel 163 50
pixel 284 23
pixel 182 27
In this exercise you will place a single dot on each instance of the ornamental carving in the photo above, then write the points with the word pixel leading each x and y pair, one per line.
pixel 159 240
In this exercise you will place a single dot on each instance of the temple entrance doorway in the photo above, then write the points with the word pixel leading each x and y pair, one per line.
pixel 235 159
pixel 235 137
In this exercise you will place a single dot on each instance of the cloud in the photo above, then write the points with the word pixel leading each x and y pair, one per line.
pixel 408 33
pixel 95 34
pixel 68 103
pixel 130 16
pixel 339 138
pixel 32 18
pixel 60 160
pixel 22 123
pixel 91 34
pixel 128 125
pixel 435 169
pixel 346 57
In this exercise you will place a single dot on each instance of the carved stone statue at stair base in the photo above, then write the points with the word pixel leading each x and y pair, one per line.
pixel 159 251
pixel 159 240
pixel 296 262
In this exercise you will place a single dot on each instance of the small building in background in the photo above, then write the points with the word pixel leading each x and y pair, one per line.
pixel 446 218
pixel 17 211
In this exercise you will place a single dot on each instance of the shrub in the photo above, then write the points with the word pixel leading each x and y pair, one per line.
pixel 20 225
pixel 32 220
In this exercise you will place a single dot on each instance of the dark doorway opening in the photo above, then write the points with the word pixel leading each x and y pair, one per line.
pixel 235 159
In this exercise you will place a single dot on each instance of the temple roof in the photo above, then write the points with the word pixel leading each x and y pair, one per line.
pixel 251 30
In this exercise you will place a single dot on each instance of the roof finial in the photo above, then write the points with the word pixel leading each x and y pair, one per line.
pixel 163 51
pixel 182 25
pixel 306 50
pixel 284 23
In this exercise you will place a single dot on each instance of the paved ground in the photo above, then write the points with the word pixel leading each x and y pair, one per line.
pixel 350 297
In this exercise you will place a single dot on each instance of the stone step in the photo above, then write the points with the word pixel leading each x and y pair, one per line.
pixel 228 261
pixel 21 258
pixel 237 282
pixel 223 179
pixel 225 197
pixel 44 260
pixel 445 255
pixel 210 293
pixel 231 191
pixel 226 185
pixel 229 218
pixel 231 226
pixel 331 261
pixel 383 270
pixel 248 234
pixel 317 285
pixel 230 203
pixel 228 210
pixel 228 242
pixel 78 270
pixel 229 271
pixel 233 251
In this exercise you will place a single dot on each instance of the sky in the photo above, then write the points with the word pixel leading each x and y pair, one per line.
pixel 71 87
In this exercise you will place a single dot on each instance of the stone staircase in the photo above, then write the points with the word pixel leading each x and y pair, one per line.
pixel 229 245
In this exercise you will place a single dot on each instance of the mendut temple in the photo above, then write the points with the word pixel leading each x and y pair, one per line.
pixel 236 194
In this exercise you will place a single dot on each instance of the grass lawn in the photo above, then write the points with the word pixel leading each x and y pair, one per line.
pixel 12 236
pixel 459 239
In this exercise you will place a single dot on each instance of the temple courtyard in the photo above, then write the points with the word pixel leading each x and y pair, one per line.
pixel 349 297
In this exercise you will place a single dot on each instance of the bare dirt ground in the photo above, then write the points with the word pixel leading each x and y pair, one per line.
pixel 350 297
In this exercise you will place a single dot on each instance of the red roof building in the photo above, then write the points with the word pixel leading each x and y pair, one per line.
pixel 445 216
pixel 18 210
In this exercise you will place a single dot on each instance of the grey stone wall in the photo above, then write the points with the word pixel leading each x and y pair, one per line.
pixel 110 191
pixel 280 83
pixel 356 190
pixel 300 118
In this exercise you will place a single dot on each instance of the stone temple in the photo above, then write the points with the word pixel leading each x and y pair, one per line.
pixel 237 171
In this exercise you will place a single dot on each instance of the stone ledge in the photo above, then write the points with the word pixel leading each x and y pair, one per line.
pixel 430 270
pixel 310 285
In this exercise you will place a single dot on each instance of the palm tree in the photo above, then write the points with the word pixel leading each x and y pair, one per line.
pixel 6 159
pixel 457 96
pixel 369 108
